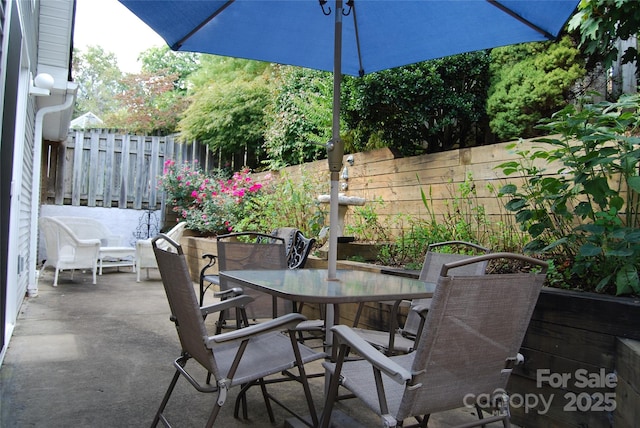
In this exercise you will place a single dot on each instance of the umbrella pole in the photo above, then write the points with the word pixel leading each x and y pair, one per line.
pixel 335 151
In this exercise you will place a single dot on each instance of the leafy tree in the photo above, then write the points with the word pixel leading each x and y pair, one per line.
pixel 98 77
pixel 227 106
pixel 149 104
pixel 601 22
pixel 425 107
pixel 300 117
pixel 530 81
pixel 163 61
pixel 152 101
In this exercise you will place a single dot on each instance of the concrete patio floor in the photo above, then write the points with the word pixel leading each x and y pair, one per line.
pixel 86 355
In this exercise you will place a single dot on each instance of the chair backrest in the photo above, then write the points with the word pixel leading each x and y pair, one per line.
pixel 253 250
pixel 476 323
pixel 183 303
pixel 433 262
pixel 298 246
pixel 90 228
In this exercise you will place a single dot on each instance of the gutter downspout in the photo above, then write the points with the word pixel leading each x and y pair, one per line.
pixel 32 286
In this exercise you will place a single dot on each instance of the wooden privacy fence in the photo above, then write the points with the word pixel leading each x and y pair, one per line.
pixel 101 169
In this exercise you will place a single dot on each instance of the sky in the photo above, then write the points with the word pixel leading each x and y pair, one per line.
pixel 112 26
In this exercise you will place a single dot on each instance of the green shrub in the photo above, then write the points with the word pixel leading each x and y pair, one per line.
pixel 586 216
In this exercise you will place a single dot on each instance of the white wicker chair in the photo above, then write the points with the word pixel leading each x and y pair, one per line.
pixel 145 259
pixel 65 250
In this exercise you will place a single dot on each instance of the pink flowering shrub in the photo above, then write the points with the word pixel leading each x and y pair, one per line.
pixel 210 204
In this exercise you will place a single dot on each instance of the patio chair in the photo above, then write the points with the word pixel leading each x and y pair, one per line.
pixel 252 250
pixel 470 342
pixel 402 339
pixel 297 249
pixel 145 258
pixel 66 251
pixel 236 358
pixel 298 246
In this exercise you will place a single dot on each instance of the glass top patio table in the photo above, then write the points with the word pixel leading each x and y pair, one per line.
pixel 313 286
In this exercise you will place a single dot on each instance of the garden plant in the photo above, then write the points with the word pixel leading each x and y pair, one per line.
pixel 585 218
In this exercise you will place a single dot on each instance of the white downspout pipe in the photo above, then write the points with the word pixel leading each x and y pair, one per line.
pixel 32 286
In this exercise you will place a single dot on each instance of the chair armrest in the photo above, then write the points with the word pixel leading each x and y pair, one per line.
pixel 234 302
pixel 421 310
pixel 88 243
pixel 232 292
pixel 288 322
pixel 345 335
pixel 213 279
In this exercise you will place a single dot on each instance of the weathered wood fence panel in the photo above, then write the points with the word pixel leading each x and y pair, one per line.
pixel 101 169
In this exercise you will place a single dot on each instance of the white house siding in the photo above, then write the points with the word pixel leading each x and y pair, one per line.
pixel 43 45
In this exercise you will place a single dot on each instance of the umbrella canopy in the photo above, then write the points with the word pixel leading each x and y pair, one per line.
pixel 355 38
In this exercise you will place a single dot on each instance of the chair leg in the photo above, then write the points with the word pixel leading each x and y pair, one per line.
pixel 303 378
pixel 267 403
pixel 332 392
pixel 55 277
pixel 213 415
pixel 165 400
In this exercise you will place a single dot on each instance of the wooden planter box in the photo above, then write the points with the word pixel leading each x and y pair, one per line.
pixel 591 340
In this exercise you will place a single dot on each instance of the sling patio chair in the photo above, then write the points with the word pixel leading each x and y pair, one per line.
pixel 402 340
pixel 253 250
pixel 469 344
pixel 240 357
pixel 297 249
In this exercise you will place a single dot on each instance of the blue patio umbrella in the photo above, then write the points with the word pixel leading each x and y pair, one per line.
pixel 353 37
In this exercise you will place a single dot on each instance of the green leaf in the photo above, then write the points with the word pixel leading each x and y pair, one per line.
pixel 524 216
pixel 603 283
pixel 534 246
pixel 634 183
pixel 555 244
pixel 598 187
pixel 590 250
pixel 627 280
pixel 536 229
pixel 516 204
pixel 616 202
pixel 583 209
pixel 509 189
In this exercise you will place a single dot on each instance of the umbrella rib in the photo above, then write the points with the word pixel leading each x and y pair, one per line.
pixel 179 43
pixel 355 26
pixel 521 19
